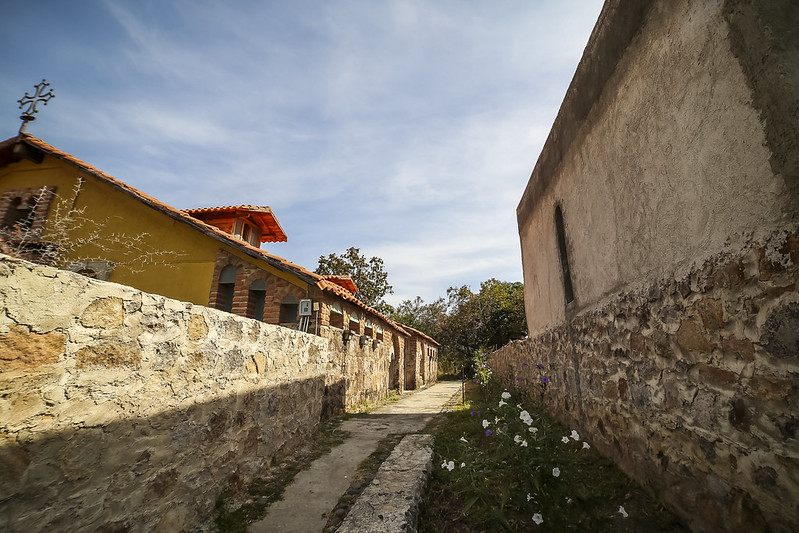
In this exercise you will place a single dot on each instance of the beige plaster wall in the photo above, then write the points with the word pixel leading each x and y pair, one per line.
pixel 669 167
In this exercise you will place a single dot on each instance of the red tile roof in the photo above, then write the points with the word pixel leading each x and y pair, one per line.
pixel 262 216
pixel 420 334
pixel 278 262
pixel 344 281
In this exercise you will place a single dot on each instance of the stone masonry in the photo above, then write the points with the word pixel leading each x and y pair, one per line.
pixel 691 385
pixel 126 411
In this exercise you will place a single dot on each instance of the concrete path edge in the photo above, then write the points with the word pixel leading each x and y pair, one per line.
pixel 390 503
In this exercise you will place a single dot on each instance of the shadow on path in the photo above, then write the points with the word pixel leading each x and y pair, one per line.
pixel 315 491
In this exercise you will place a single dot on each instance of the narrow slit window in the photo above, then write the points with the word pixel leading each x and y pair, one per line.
pixel 568 289
pixel 227 287
pixel 257 297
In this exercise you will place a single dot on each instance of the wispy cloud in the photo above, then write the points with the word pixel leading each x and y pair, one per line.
pixel 407 128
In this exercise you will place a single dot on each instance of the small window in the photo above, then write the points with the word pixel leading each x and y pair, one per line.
pixel 245 233
pixel 19 214
pixel 256 299
pixel 355 323
pixel 227 287
pixel 564 257
pixel 93 269
pixel 288 310
pixel 336 316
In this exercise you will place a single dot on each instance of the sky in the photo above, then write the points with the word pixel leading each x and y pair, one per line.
pixel 405 128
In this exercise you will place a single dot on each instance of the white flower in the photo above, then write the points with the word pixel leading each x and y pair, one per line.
pixel 524 444
pixel 529 497
pixel 444 464
pixel 485 424
pixel 623 512
pixel 463 439
pixel 565 440
pixel 518 406
pixel 451 465
pixel 517 439
pixel 526 418
pixel 538 519
pixel 496 420
pixel 575 435
pixel 463 465
pixel 586 445
pixel 533 430
pixel 502 402
pixel 505 395
pixel 556 472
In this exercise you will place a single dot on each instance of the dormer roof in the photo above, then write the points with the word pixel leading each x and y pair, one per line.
pixel 261 216
pixel 343 281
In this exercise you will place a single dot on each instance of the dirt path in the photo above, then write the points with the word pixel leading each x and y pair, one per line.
pixel 315 492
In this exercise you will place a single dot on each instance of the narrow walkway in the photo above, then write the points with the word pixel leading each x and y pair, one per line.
pixel 315 492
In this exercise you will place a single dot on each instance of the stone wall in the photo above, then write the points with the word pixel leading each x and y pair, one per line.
pixel 690 384
pixel 361 365
pixel 125 411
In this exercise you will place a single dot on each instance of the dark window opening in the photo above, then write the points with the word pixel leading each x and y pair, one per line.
pixel 336 316
pixel 255 302
pixel 288 310
pixel 568 289
pixel 227 286
pixel 19 213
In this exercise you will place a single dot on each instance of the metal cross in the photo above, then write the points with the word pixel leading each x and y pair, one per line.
pixel 32 100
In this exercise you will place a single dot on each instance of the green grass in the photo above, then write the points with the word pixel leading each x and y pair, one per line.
pixel 503 483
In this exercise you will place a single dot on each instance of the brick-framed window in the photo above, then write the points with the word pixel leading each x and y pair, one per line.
pixel 336 316
pixel 355 323
pixel 24 211
pixel 226 288
pixel 256 299
pixel 289 309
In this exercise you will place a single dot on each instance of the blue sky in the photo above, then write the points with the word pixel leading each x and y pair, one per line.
pixel 406 128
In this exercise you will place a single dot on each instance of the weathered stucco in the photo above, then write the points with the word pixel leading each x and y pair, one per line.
pixel 670 166
pixel 126 411
pixel 675 162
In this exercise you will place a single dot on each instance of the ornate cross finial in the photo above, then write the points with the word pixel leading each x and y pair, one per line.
pixel 32 100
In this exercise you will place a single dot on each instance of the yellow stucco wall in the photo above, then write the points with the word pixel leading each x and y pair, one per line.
pixel 176 260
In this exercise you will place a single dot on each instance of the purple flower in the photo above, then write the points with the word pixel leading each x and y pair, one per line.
pixel 488 432
pixel 478 413
pixel 544 379
pixel 472 412
pixel 539 365
pixel 524 364
pixel 517 379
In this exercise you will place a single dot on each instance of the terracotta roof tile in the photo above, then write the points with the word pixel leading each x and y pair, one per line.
pixel 344 281
pixel 263 216
pixel 419 333
pixel 182 216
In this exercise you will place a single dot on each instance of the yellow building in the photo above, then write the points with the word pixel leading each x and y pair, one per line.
pixel 59 210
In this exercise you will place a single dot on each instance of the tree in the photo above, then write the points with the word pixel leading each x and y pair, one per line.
pixel 369 276
pixel 466 322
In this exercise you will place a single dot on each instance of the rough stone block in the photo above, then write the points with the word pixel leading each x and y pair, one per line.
pixel 691 338
pixel 21 349
pixel 109 354
pixel 103 313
